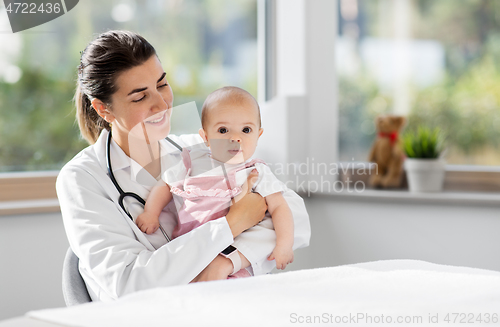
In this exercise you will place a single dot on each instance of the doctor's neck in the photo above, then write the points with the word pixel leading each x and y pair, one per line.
pixel 145 153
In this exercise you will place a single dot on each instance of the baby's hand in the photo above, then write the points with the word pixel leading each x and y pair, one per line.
pixel 244 191
pixel 282 255
pixel 147 222
pixel 252 179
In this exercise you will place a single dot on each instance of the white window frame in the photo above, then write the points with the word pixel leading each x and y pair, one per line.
pixel 302 115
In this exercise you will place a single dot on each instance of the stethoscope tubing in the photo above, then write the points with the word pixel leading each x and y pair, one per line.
pixel 123 194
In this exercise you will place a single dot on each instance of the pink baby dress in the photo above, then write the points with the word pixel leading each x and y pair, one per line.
pixel 201 197
pixel 204 198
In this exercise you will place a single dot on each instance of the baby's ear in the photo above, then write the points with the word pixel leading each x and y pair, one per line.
pixel 261 130
pixel 203 135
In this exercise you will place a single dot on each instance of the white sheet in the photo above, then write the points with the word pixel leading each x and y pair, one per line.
pixel 362 295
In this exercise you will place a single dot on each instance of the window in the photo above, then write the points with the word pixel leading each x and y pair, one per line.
pixel 436 62
pixel 203 45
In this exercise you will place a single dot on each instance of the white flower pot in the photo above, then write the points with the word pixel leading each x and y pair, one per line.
pixel 425 175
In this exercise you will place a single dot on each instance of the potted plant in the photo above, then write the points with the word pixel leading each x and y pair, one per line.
pixel 424 165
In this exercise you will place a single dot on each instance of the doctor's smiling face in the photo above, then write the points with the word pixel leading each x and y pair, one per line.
pixel 142 103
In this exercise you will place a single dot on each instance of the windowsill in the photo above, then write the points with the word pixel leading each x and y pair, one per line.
pixel 8 208
pixel 469 185
pixel 34 192
pixel 445 197
pixel 28 192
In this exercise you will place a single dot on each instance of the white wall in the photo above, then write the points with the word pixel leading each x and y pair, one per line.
pixel 344 231
pixel 32 250
pixel 350 230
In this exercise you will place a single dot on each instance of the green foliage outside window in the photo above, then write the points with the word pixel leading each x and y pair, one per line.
pixel 465 104
pixel 34 112
pixel 203 45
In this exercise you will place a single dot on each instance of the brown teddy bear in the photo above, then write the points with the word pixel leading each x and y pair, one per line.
pixel 386 152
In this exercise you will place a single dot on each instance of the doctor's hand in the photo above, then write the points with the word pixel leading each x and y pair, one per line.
pixel 220 268
pixel 249 211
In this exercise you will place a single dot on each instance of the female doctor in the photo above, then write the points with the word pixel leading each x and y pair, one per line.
pixel 123 103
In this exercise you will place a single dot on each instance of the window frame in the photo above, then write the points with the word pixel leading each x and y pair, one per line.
pixel 303 84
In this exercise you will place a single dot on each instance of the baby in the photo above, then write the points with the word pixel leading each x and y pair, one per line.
pixel 215 177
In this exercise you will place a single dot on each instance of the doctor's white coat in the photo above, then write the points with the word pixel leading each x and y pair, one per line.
pixel 116 258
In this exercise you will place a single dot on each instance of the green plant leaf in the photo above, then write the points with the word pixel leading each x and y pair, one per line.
pixel 425 143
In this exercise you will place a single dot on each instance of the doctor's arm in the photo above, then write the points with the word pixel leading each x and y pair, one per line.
pixel 115 256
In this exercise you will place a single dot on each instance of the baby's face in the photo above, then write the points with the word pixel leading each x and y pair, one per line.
pixel 232 130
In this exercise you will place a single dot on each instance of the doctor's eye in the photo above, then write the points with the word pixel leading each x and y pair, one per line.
pixel 246 130
pixel 139 100
pixel 222 130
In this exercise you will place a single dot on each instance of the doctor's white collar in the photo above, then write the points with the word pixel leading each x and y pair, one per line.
pixel 120 161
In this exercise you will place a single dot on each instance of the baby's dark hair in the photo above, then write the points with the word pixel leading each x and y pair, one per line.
pixel 226 93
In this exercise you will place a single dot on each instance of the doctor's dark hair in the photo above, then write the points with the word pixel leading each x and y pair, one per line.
pixel 110 54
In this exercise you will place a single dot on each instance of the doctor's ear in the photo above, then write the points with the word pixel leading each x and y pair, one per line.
pixel 203 136
pixel 102 110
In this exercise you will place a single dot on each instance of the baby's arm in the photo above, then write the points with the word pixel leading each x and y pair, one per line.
pixel 283 225
pixel 158 198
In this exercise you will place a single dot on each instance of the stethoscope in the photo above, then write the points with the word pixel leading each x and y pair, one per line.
pixel 123 194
